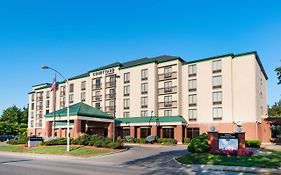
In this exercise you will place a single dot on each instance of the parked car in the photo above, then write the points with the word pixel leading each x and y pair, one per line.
pixel 6 137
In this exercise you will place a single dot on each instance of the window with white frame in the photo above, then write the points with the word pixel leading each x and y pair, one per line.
pixel 32 97
pixel 47 94
pixel 217 97
pixel 167 112
pixel 144 102
pixel 192 85
pixel 126 77
pixel 144 88
pixel 144 74
pixel 71 88
pixel 168 86
pixel 192 114
pixel 83 85
pixel 217 113
pixel 192 100
pixel 126 103
pixel 217 81
pixel 192 70
pixel 167 71
pixel 126 114
pixel 127 90
pixel 71 98
pixel 144 113
pixel 83 96
pixel 216 66
pixel 47 103
pixel 167 101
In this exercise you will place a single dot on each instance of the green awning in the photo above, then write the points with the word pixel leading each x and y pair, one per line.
pixel 149 119
pixel 80 109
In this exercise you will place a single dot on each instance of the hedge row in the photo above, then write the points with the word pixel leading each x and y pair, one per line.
pixel 17 141
pixel 253 143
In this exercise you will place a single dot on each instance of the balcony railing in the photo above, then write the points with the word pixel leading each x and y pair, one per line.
pixel 96 98
pixel 167 76
pixel 62 93
pixel 109 96
pixel 110 84
pixel 96 86
pixel 39 107
pixel 167 90
pixel 168 104
pixel 109 108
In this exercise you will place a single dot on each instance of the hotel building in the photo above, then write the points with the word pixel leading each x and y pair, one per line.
pixel 165 96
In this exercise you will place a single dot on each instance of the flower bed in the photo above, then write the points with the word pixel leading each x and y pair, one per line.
pixel 242 152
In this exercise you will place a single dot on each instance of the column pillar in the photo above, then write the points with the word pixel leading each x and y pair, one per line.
pixel 138 133
pixel 110 130
pixel 241 140
pixel 59 133
pixel 178 135
pixel 132 131
pixel 48 128
pixel 77 128
pixel 213 140
pixel 154 130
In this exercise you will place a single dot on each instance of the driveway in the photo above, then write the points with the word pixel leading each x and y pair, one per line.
pixel 147 159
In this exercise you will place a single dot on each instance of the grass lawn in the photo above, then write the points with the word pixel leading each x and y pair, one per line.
pixel 80 151
pixel 272 160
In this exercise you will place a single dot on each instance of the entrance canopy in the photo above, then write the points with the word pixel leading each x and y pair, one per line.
pixel 80 111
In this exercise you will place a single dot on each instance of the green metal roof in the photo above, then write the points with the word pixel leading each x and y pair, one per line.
pixel 152 119
pixel 80 109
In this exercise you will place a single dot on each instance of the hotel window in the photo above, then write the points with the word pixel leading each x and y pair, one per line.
pixel 31 123
pixel 83 85
pixel 47 103
pixel 32 106
pixel 98 82
pixel 71 98
pixel 144 102
pixel 126 114
pixel 168 101
pixel 97 105
pixel 126 77
pixel 127 103
pixel 97 96
pixel 168 133
pixel 47 94
pixel 192 70
pixel 168 113
pixel 126 90
pixel 71 88
pixel 47 111
pixel 217 66
pixel 126 132
pixel 144 88
pixel 144 113
pixel 83 96
pixel 111 92
pixel 167 72
pixel 217 82
pixel 192 132
pixel 192 100
pixel 217 113
pixel 192 85
pixel 144 132
pixel 168 86
pixel 144 74
pixel 192 114
pixel 32 97
pixel 217 98
pixel 62 91
pixel 32 115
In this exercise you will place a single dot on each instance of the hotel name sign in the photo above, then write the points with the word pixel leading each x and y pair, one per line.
pixel 104 72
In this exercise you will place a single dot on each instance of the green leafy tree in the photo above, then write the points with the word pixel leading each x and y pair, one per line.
pixel 275 109
pixel 14 121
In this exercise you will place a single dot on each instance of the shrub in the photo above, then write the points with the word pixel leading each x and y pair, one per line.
pixel 17 141
pixel 242 152
pixel 253 143
pixel 98 143
pixel 128 138
pixel 199 144
pixel 167 141
pixel 151 139
pixel 141 140
pixel 245 152
pixel 115 145
pixel 186 141
pixel 59 141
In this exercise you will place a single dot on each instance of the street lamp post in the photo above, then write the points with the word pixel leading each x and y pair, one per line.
pixel 67 104
pixel 114 106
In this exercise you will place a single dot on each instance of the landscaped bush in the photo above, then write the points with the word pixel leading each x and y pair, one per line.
pixel 115 145
pixel 59 141
pixel 151 139
pixel 167 141
pixel 199 144
pixel 186 141
pixel 253 143
pixel 141 140
pixel 129 138
pixel 242 152
pixel 17 141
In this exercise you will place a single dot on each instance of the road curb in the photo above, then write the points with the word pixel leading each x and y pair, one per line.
pixel 200 167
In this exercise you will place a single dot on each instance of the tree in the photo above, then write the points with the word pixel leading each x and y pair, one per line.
pixel 275 110
pixel 278 70
pixel 14 121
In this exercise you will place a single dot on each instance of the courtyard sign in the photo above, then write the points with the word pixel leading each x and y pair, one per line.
pixel 106 72
pixel 228 141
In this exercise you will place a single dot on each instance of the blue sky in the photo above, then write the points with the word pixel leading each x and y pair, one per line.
pixel 77 36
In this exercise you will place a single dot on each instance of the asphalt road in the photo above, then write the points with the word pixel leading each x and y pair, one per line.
pixel 137 160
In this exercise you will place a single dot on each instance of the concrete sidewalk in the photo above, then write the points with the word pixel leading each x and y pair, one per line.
pixel 204 167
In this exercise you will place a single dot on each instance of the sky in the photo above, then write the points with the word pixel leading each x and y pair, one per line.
pixel 77 36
